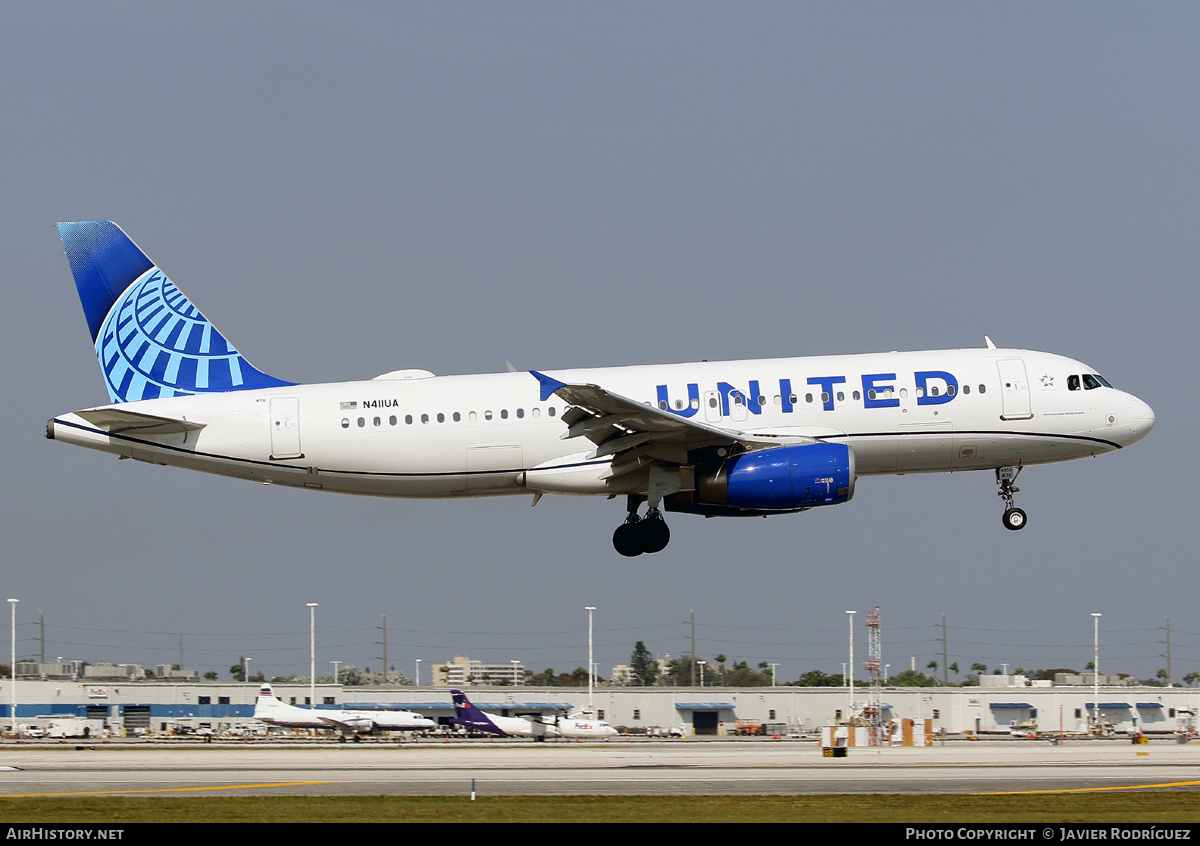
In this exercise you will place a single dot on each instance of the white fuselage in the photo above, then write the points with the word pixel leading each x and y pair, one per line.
pixel 271 710
pixel 493 434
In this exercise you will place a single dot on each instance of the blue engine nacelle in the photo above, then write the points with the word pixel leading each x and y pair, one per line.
pixel 772 481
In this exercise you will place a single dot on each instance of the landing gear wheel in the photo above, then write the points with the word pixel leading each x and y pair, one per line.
pixel 655 533
pixel 1014 518
pixel 639 535
pixel 627 539
pixel 1006 477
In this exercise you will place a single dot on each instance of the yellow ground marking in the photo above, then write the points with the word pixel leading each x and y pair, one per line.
pixel 1092 789
pixel 165 789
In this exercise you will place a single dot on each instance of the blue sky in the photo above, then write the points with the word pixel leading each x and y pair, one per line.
pixel 348 189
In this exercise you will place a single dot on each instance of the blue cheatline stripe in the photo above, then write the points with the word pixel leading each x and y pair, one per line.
pixel 380 474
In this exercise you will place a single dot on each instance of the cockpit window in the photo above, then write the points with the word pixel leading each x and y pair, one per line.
pixel 1091 382
pixel 1103 381
pixel 1072 383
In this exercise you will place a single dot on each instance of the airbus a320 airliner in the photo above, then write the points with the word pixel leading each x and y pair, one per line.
pixel 722 438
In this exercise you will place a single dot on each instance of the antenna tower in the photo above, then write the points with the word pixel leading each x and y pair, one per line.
pixel 874 710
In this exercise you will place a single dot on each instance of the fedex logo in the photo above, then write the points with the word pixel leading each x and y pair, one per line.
pixel 879 390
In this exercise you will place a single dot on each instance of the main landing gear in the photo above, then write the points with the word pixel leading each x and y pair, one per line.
pixel 641 534
pixel 1014 518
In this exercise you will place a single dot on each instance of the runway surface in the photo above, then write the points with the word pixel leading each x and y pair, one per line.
pixel 681 767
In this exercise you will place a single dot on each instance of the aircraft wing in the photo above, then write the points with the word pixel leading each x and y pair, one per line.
pixel 634 434
pixel 348 722
pixel 118 421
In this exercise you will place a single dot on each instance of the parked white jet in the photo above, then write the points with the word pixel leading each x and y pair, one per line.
pixel 269 709
pixel 730 438
pixel 575 725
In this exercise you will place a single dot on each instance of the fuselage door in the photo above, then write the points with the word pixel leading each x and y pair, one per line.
pixel 712 406
pixel 285 428
pixel 1014 390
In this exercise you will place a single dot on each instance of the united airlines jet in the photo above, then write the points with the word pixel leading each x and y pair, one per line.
pixel 720 439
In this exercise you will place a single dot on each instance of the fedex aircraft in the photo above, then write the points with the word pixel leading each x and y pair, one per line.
pixel 575 725
pixel 269 709
pixel 720 439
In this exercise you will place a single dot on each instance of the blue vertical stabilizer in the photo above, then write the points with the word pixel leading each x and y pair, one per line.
pixel 150 340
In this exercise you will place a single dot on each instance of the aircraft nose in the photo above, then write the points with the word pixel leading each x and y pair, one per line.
pixel 1142 419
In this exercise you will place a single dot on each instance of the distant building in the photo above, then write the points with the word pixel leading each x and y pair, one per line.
pixel 125 672
pixel 168 672
pixel 59 670
pixel 464 672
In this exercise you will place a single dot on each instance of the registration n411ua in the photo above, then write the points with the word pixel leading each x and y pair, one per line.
pixel 720 439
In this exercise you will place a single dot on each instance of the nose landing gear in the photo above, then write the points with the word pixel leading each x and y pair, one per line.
pixel 1014 518
pixel 641 534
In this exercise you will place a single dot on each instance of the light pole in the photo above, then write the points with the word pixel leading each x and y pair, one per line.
pixel 850 677
pixel 13 666
pixel 1096 672
pixel 773 668
pixel 702 663
pixel 418 676
pixel 312 655
pixel 335 670
pixel 515 664
pixel 245 669
pixel 590 610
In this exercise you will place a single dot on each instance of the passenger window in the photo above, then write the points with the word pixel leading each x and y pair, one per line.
pixel 487 415
pixel 457 417
pixel 966 389
pixel 983 389
pixel 762 400
pixel 520 413
pixel 712 402
pixel 362 422
pixel 857 395
pixel 504 414
pixel 441 418
pixel 793 399
pixel 408 419
pixel 377 421
pixel 473 416
pixel 537 412
pixel 424 418
pixel 841 396
pixel 345 422
pixel 949 390
pixel 551 411
pixel 808 397
pixel 392 420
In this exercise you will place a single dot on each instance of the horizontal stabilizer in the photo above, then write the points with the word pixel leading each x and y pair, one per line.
pixel 117 421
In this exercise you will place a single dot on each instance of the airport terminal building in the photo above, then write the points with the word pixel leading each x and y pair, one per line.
pixel 132 708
